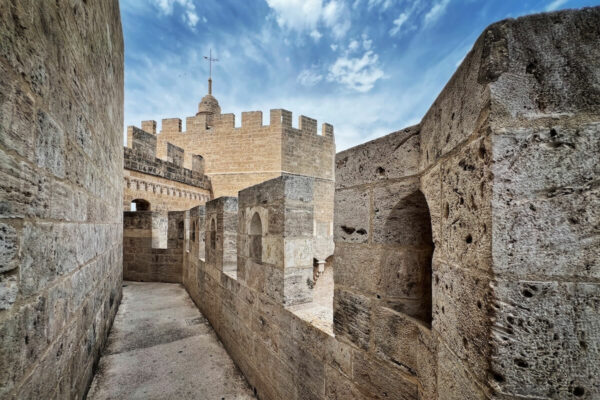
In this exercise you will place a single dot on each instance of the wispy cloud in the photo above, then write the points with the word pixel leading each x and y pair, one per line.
pixel 309 77
pixel 399 23
pixel 189 15
pixel 555 5
pixel 357 73
pixel 307 15
pixel 437 10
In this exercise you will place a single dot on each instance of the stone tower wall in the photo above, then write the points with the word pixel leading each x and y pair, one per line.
pixel 61 163
pixel 239 157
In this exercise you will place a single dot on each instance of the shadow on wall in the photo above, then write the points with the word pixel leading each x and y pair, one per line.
pixel 407 288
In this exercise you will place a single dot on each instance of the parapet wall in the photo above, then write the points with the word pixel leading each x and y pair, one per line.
pixel 490 158
pixel 143 258
pixel 61 166
pixel 141 157
pixel 466 246
pixel 165 184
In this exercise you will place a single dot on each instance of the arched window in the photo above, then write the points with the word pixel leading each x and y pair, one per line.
pixel 408 227
pixel 256 238
pixel 140 205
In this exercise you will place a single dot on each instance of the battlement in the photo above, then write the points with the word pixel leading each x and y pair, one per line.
pixel 278 118
pixel 140 155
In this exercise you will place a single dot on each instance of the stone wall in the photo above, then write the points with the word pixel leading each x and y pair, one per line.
pixel 494 159
pixel 165 184
pixel 466 258
pixel 275 238
pixel 239 157
pixel 61 124
pixel 146 258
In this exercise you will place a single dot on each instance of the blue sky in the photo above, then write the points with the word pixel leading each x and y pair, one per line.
pixel 369 67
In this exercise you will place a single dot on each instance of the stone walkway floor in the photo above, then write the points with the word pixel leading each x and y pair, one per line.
pixel 161 347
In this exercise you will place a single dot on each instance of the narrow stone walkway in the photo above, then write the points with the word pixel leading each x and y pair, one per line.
pixel 161 347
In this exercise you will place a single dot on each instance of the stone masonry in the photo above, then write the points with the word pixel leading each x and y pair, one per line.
pixel 234 158
pixel 466 261
pixel 60 192
pixel 165 184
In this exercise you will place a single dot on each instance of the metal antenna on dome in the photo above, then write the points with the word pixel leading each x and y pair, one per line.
pixel 210 61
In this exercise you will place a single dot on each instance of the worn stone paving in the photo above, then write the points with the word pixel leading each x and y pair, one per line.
pixel 161 347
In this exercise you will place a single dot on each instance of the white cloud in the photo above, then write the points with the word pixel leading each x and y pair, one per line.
pixel 309 77
pixel 337 17
pixel 367 43
pixel 307 15
pixel 316 35
pixel 353 46
pixel 334 47
pixel 398 23
pixel 381 4
pixel 438 9
pixel 356 73
pixel 555 5
pixel 190 16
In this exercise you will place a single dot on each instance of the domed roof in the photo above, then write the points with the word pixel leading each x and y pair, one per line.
pixel 209 106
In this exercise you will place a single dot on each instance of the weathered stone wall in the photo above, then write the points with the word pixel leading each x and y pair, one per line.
pixel 221 234
pixel 61 124
pixel 165 184
pixel 144 256
pixel 239 157
pixel 275 238
pixel 496 166
pixel 162 194
pixel 490 203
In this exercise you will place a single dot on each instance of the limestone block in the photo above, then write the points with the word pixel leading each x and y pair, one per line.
pixel 297 253
pixel 461 315
pixel 453 382
pixel 309 370
pixel 9 247
pixel 298 188
pixel 297 285
pixel 49 145
pixel 543 73
pixel 49 250
pixel 320 343
pixel 393 272
pixel 349 271
pixel 16 116
pixel 273 249
pixel 340 387
pixel 463 106
pixel 8 291
pixel 431 186
pixel 426 355
pixel 352 216
pixel 395 338
pixel 545 339
pixel 381 380
pixel 396 210
pixel 23 192
pixel 390 157
pixel 467 191
pixel 546 204
pixel 298 221
pixel 352 317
